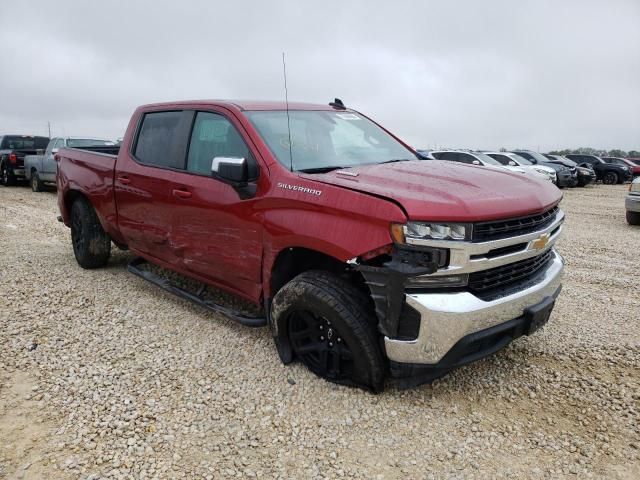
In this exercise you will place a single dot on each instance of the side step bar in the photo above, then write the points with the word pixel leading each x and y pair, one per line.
pixel 164 283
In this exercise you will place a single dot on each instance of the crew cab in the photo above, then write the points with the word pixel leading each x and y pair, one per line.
pixel 13 149
pixel 565 176
pixel 41 169
pixel 366 262
pixel 608 173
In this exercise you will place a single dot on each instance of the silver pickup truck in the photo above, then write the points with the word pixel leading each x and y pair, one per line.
pixel 41 169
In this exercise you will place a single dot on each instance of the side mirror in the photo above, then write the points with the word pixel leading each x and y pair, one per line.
pixel 231 170
pixel 476 162
pixel 512 163
pixel 54 151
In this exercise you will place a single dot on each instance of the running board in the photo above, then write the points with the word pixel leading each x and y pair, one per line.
pixel 164 283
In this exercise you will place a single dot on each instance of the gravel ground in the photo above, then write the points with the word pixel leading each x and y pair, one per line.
pixel 105 376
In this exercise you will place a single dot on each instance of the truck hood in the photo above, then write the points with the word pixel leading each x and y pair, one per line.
pixel 445 191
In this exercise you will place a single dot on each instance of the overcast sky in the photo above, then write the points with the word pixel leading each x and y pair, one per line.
pixel 469 74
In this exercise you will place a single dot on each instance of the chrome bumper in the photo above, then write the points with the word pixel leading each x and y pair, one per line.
pixel 632 203
pixel 448 317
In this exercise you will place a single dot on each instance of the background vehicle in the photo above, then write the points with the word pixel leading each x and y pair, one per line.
pixel 364 260
pixel 13 149
pixel 508 158
pixel 632 203
pixel 608 173
pixel 623 162
pixel 566 176
pixel 41 169
pixel 586 175
pixel 479 158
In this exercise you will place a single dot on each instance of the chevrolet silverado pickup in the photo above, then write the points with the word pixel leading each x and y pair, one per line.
pixel 366 262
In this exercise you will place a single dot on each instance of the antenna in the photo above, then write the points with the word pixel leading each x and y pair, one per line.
pixel 286 101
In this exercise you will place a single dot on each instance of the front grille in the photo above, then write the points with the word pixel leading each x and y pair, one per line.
pixel 498 229
pixel 488 280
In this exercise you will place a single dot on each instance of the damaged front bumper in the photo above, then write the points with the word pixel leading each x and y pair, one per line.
pixel 447 318
pixel 429 331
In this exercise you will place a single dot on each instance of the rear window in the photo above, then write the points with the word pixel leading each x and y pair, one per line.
pixel 19 142
pixel 162 139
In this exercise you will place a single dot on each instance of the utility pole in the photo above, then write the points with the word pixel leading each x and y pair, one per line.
pixel 49 127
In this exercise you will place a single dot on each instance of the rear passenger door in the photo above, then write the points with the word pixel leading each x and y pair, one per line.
pixel 217 229
pixel 143 183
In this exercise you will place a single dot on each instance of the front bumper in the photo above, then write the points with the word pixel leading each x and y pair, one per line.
pixel 632 203
pixel 447 318
pixel 567 179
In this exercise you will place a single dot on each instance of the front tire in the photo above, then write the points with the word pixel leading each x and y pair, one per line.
pixel 633 218
pixel 91 244
pixel 610 178
pixel 332 329
pixel 36 184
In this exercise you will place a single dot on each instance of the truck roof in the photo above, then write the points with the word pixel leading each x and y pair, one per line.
pixel 245 105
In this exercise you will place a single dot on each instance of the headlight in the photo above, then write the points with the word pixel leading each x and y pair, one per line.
pixel 635 187
pixel 416 232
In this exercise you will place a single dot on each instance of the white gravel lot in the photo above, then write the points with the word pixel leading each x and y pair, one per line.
pixel 105 376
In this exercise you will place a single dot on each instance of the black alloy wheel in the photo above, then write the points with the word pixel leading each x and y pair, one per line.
pixel 319 345
pixel 610 178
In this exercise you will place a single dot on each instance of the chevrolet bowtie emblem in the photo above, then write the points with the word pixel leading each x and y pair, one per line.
pixel 540 242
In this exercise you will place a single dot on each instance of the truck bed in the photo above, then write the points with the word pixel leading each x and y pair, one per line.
pixel 92 174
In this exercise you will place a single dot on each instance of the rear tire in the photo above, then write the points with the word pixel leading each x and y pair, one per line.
pixel 36 184
pixel 610 178
pixel 6 178
pixel 91 244
pixel 633 218
pixel 331 329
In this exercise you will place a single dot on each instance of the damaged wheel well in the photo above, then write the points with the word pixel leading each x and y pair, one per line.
pixel 293 261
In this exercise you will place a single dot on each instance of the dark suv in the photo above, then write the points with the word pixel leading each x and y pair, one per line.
pixel 566 176
pixel 13 149
pixel 634 167
pixel 609 173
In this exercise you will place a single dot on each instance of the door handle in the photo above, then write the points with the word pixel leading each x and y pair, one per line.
pixel 124 180
pixel 181 194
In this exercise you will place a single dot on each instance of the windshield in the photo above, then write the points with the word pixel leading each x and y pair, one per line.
pixel 87 142
pixel 326 139
pixel 24 142
pixel 487 159
pixel 538 156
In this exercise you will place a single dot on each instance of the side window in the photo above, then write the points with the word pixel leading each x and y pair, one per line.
pixel 503 159
pixel 214 136
pixel 162 139
pixel 466 158
pixel 451 156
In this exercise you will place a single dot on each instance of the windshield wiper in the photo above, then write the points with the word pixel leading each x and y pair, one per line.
pixel 322 169
pixel 397 160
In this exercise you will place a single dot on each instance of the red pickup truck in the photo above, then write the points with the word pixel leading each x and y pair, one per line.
pixel 367 262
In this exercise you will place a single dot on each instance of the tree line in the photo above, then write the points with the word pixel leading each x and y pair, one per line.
pixel 598 152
